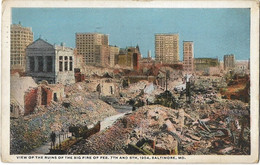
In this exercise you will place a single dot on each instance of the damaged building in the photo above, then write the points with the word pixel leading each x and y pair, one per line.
pixel 129 57
pixel 42 95
pixel 52 63
pixel 208 66
pixel 26 95
pixel 19 85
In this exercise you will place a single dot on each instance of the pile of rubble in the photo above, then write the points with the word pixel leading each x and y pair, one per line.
pixel 34 130
pixel 140 93
pixel 217 128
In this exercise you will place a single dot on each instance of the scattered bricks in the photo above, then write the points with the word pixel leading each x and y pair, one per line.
pixel 125 122
pixel 160 150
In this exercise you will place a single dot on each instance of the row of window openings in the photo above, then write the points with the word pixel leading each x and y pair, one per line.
pixel 17 59
pixel 85 47
pixel 65 66
pixel 21 33
pixel 21 36
pixel 16 62
pixel 65 58
pixel 14 43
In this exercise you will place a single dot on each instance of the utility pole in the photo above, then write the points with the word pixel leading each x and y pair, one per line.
pixel 167 77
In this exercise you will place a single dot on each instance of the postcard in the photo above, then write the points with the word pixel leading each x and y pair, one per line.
pixel 130 81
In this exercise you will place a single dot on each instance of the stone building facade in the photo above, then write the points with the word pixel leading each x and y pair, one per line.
pixel 188 56
pixel 113 53
pixel 52 63
pixel 229 61
pixel 86 44
pixel 129 57
pixel 78 60
pixel 21 37
pixel 102 55
pixel 167 48
pixel 204 63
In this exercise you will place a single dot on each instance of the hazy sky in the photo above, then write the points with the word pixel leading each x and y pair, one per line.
pixel 215 32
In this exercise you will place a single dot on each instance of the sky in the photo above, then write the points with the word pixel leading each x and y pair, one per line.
pixel 215 32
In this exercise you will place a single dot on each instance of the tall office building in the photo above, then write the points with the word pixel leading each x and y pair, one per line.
pixel 114 51
pixel 21 37
pixel 167 48
pixel 86 43
pixel 229 61
pixel 188 56
pixel 102 55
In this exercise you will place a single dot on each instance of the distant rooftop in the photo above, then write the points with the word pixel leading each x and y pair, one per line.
pixel 90 33
pixel 166 34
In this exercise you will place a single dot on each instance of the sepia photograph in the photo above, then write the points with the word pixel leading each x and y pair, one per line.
pixel 148 81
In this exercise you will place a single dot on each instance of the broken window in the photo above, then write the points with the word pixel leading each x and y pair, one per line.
pixel 31 61
pixel 40 64
pixel 44 97
pixel 60 66
pixel 66 66
pixel 55 97
pixel 71 66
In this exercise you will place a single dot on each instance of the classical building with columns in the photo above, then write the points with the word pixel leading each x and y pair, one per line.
pixel 52 63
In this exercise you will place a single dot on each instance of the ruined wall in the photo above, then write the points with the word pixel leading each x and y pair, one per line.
pixel 18 87
pixel 30 101
pixel 79 77
pixel 107 89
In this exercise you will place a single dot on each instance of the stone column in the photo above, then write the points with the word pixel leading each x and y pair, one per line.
pixel 35 64
pixel 44 64
pixel 53 63
pixel 28 60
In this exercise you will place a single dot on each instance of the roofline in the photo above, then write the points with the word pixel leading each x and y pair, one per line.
pixel 37 40
pixel 166 33
pixel 90 33
pixel 205 58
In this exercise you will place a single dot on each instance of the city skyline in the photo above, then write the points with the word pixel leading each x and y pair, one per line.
pixel 215 32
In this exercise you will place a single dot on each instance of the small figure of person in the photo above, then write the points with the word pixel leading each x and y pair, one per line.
pixel 133 109
pixel 53 139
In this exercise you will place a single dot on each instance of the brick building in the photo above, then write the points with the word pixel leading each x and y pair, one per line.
pixel 52 63
pixel 188 56
pixel 21 37
pixel 18 87
pixel 129 57
pixel 167 48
